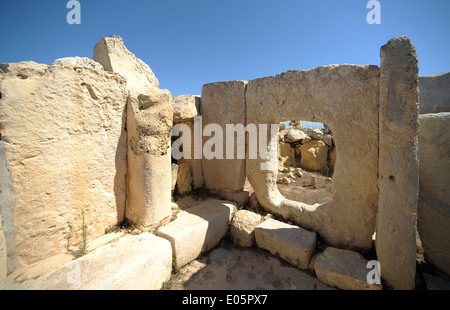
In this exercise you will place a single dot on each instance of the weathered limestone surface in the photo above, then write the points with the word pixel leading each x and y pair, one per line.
pixel 63 149
pixel 314 155
pixel 346 98
pixel 223 103
pixel 292 243
pixel 3 266
pixel 197 229
pixel 195 165
pixel 434 94
pixel 174 176
pixel 79 62
pixel 287 154
pixel 184 179
pixel 133 262
pixel 149 123
pixel 185 108
pixel 243 227
pixel 344 269
pixel 433 221
pixel 112 54
pixel 398 164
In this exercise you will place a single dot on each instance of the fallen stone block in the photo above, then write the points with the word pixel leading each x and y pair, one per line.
pixel 292 243
pixel 133 262
pixel 243 227
pixel 197 229
pixel 344 269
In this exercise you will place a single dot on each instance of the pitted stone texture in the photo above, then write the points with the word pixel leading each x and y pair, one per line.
pixel 314 155
pixel 112 54
pixel 133 262
pixel 434 93
pixel 79 62
pixel 184 179
pixel 185 108
pixel 3 266
pixel 63 149
pixel 149 123
pixel 197 229
pixel 243 227
pixel 398 180
pixel 346 98
pixel 292 243
pixel 223 103
pixel 344 269
pixel 433 221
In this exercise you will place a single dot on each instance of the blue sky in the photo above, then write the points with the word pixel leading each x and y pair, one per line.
pixel 192 42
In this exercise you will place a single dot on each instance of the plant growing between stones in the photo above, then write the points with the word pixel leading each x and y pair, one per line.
pixel 83 245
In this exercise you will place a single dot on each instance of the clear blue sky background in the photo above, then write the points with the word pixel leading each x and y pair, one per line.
pixel 192 42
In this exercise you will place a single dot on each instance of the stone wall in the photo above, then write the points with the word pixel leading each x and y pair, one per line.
pixel 63 149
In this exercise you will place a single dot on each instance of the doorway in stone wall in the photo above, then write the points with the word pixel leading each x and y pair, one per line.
pixel 306 158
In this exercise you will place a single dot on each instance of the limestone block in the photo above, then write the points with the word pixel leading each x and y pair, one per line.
pixel 346 97
pixel 112 54
pixel 184 179
pixel 434 93
pixel 292 243
pixel 195 165
pixel 223 103
pixel 243 227
pixel 133 262
pixel 185 108
pixel 332 157
pixel 344 269
pixel 173 176
pixel 294 135
pixel 149 123
pixel 63 149
pixel 78 62
pixel 433 221
pixel 197 229
pixel 398 180
pixel 3 266
pixel 287 154
pixel 314 155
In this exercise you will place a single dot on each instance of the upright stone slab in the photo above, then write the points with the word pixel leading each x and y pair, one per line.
pixel 223 103
pixel 63 150
pixel 398 180
pixel 433 216
pixel 112 54
pixel 3 268
pixel 149 158
pixel 434 93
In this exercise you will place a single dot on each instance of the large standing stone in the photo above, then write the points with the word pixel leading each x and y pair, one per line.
pixel 287 154
pixel 433 221
pixel 398 163
pixel 346 98
pixel 184 179
pixel 197 229
pixel 292 243
pixel 149 123
pixel 3 266
pixel 112 54
pixel 434 93
pixel 344 269
pixel 224 103
pixel 63 149
pixel 314 155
